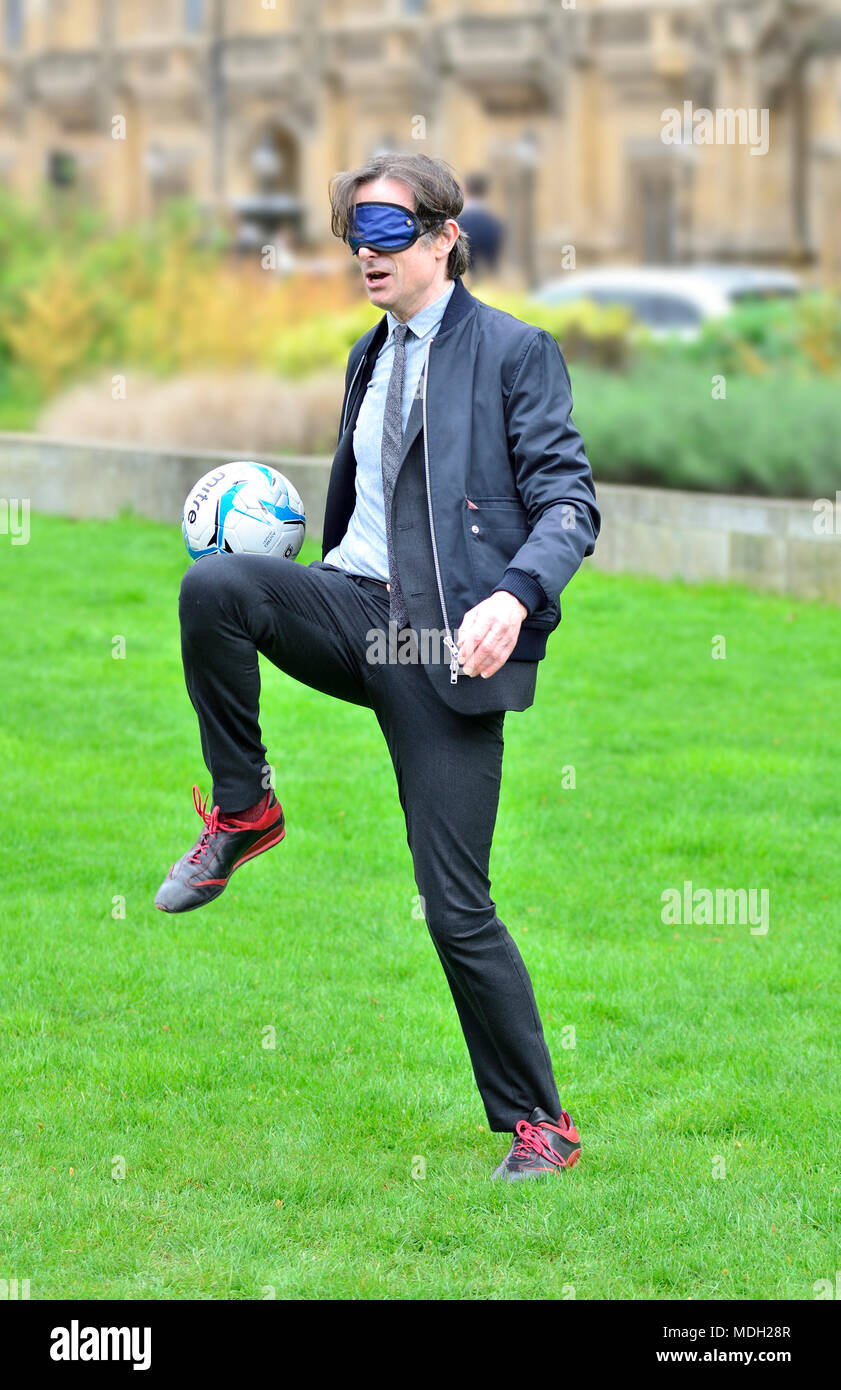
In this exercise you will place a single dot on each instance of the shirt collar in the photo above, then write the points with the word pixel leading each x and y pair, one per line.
pixel 425 319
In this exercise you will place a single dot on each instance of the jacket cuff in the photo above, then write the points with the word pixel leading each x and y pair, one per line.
pixel 523 587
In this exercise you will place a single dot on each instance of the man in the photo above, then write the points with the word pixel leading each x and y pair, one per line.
pixel 485 232
pixel 459 493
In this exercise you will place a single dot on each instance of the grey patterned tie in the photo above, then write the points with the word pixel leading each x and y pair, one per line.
pixel 392 449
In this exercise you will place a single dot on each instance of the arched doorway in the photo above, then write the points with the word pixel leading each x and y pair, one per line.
pixel 273 207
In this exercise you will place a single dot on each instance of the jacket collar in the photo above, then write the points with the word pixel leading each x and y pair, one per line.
pixel 428 319
pixel 459 304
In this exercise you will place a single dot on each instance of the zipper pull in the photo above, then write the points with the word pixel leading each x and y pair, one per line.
pixel 453 659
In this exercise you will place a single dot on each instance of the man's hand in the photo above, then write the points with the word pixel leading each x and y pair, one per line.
pixel 488 633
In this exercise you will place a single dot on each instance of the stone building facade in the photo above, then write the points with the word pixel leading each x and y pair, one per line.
pixel 250 105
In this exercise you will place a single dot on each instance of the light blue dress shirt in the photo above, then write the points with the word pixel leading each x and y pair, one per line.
pixel 363 548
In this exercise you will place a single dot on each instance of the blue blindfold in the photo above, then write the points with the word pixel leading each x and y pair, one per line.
pixel 383 227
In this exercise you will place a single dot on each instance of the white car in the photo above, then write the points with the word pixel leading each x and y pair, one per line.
pixel 671 300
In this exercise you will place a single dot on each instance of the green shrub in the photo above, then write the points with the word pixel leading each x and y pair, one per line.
pixel 773 435
pixel 317 343
pixel 604 335
pixel 21 398
pixel 803 335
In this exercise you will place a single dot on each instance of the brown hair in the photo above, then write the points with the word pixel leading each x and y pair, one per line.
pixel 438 196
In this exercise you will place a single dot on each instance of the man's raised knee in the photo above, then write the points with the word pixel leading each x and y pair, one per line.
pixel 206 585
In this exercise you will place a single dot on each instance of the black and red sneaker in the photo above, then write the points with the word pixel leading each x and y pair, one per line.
pixel 202 873
pixel 541 1145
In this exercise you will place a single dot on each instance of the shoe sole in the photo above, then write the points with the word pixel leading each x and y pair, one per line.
pixel 269 839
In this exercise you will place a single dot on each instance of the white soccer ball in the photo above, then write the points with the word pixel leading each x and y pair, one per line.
pixel 243 508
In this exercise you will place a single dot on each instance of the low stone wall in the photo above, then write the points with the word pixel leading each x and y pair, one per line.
pixel 786 546
pixel 764 543
pixel 100 480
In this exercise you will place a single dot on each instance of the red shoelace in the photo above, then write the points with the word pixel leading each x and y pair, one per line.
pixel 532 1142
pixel 213 823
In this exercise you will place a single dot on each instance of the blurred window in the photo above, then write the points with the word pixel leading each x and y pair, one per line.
pixel 627 297
pixel 62 169
pixel 657 310
pixel 618 28
pixel 669 311
pixel 13 27
pixel 193 16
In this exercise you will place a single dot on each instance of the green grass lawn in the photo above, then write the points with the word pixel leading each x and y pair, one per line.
pixel 704 1076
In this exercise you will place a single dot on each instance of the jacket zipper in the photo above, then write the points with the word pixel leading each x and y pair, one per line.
pixel 450 644
pixel 350 392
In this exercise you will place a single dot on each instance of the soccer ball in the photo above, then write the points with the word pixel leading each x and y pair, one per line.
pixel 243 508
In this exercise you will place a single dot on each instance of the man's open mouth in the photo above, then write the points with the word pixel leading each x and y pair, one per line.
pixel 372 277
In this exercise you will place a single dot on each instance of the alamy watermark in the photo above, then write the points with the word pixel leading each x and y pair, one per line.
pixel 827 516
pixel 14 1289
pixel 716 907
pixel 724 126
pixel 78 1342
pixel 14 519
pixel 407 646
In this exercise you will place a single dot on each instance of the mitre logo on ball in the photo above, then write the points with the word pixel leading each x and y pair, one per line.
pixel 243 508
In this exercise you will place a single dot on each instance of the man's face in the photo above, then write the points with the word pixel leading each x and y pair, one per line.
pixel 404 281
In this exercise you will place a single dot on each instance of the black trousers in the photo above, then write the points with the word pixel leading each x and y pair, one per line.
pixel 311 621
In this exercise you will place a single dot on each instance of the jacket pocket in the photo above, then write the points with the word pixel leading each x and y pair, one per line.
pixel 495 504
pixel 494 530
